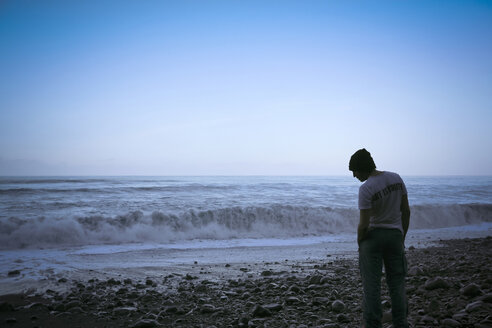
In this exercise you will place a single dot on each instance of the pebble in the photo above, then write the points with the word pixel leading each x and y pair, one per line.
pixel 450 323
pixel 471 290
pixel 338 306
pixel 146 323
pixel 208 308
pixel 427 319
pixel 292 300
pixel 415 271
pixel 436 283
pixel 125 310
pixel 343 318
pixel 486 298
pixel 474 306
pixel 261 312
pixel 273 307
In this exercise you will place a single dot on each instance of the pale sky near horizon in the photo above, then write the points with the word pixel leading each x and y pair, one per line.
pixel 244 87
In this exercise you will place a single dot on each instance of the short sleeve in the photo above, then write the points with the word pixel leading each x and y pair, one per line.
pixel 364 198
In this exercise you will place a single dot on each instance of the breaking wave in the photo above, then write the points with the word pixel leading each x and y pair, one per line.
pixel 276 221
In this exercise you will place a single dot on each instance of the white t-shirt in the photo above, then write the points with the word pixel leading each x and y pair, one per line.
pixel 382 193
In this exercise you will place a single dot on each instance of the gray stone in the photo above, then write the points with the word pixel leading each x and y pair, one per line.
pixel 292 300
pixel 338 306
pixel 321 301
pixel 343 318
pixel 427 319
pixel 471 290
pixel 208 308
pixel 273 307
pixel 261 312
pixel 76 309
pixel 72 304
pixel 146 323
pixel 294 289
pixel 460 315
pixel 112 281
pixel 433 306
pixel 472 307
pixel 450 323
pixel 486 298
pixel 125 310
pixel 436 283
pixel 415 271
pixel 315 280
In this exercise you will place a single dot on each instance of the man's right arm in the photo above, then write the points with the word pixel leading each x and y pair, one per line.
pixel 405 214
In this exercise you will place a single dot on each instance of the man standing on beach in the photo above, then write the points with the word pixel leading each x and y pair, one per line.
pixel 384 219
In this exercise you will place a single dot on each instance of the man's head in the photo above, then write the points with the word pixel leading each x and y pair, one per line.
pixel 361 164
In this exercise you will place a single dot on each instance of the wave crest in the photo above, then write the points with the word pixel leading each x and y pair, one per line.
pixel 276 221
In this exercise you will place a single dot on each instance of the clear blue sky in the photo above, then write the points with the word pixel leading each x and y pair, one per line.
pixel 244 87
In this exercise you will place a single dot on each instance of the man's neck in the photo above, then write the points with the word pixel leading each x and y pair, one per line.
pixel 375 172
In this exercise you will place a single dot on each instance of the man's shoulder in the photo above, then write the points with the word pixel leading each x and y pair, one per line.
pixel 392 175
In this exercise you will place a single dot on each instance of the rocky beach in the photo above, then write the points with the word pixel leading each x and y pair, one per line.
pixel 449 285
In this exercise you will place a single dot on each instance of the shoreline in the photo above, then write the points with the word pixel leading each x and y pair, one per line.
pixel 449 284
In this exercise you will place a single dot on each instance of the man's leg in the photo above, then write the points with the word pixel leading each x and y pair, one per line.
pixel 396 269
pixel 370 264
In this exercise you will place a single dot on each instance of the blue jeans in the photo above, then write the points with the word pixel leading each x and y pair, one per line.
pixel 383 245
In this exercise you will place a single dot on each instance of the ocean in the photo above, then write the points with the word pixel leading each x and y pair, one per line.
pixel 54 224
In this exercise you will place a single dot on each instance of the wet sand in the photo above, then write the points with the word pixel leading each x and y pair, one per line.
pixel 448 285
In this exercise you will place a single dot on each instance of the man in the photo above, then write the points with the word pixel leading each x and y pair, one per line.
pixel 384 219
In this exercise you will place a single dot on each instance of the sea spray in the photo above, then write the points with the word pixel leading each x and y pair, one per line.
pixel 274 221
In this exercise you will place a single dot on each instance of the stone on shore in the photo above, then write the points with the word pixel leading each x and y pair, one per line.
pixel 338 306
pixel 471 290
pixel 436 283
pixel 261 312
pixel 146 323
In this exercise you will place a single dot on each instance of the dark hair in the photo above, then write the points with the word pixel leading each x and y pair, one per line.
pixel 362 161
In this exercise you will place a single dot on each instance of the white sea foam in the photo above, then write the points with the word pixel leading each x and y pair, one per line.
pixel 274 221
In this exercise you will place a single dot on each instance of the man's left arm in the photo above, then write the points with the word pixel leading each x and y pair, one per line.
pixel 365 215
